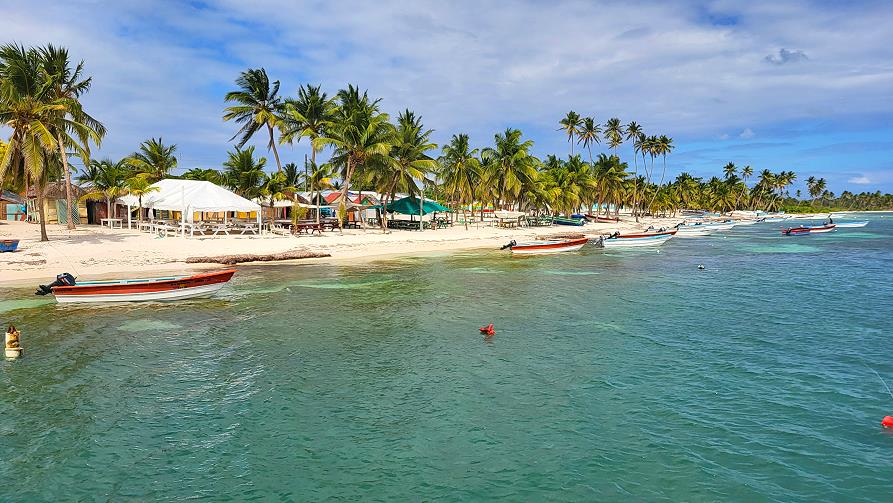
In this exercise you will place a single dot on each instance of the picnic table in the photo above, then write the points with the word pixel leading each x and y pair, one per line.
pixel 307 228
pixel 112 222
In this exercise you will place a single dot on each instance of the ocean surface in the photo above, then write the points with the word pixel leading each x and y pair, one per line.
pixel 613 376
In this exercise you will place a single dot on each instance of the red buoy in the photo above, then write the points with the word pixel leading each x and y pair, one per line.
pixel 488 330
pixel 887 422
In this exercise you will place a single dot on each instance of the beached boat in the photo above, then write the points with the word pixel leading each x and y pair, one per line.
pixel 568 221
pixel 618 240
pixel 153 289
pixel 8 245
pixel 540 247
pixel 603 220
pixel 849 225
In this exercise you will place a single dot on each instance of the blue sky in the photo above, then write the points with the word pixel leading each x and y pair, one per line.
pixel 794 85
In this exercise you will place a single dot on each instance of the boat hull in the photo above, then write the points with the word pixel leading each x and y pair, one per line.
pixel 568 221
pixel 9 245
pixel 151 290
pixel 636 240
pixel 823 229
pixel 851 225
pixel 602 220
pixel 549 247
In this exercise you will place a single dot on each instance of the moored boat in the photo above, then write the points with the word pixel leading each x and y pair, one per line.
pixel 849 225
pixel 135 290
pixel 8 245
pixel 550 246
pixel 568 221
pixel 818 229
pixel 694 230
pixel 603 220
pixel 796 231
pixel 618 240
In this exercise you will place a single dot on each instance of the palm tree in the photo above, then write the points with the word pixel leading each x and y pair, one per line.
pixel 28 107
pixel 293 177
pixel 275 187
pixel 460 171
pixel 257 105
pixel 154 158
pixel 319 178
pixel 746 172
pixel 139 185
pixel 509 166
pixel 588 134
pixel 207 175
pixel 244 174
pixel 662 146
pixel 306 117
pixel 634 134
pixel 729 170
pixel 570 124
pixel 106 180
pixel 409 160
pixel 614 133
pixel 73 128
pixel 360 135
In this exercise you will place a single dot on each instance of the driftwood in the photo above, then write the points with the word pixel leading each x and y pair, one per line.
pixel 238 259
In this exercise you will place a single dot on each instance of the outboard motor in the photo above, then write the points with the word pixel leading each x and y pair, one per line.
pixel 63 279
pixel 509 244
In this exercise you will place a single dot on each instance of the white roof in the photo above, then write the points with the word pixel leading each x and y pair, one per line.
pixel 191 195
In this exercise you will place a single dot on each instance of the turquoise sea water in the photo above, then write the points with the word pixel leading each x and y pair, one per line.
pixel 614 375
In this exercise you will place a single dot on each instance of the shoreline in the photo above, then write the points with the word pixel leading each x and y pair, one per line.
pixel 93 252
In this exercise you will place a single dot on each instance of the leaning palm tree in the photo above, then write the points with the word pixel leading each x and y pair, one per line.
pixel 460 172
pixel 360 135
pixel 154 158
pixel 570 124
pixel 634 133
pixel 257 105
pixel 106 180
pixel 306 117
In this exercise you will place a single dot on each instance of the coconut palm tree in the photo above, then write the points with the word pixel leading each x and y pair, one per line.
pixel 206 175
pixel 154 158
pixel 139 185
pixel 570 124
pixel 589 133
pixel 634 133
pixel 509 166
pixel 360 135
pixel 106 180
pixel 293 177
pixel 614 133
pixel 729 170
pixel 257 105
pixel 73 128
pixel 460 172
pixel 319 178
pixel 28 107
pixel 244 174
pixel 306 117
pixel 409 160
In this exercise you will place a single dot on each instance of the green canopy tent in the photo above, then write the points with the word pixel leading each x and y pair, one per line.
pixel 411 206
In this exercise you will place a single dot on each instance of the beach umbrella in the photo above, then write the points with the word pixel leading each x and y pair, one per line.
pixel 415 206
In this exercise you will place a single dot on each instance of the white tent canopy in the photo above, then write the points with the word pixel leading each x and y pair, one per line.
pixel 189 196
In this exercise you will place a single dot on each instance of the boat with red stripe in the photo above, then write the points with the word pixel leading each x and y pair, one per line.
pixel 554 246
pixel 169 288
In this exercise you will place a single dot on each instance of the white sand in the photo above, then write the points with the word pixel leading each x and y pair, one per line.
pixel 92 252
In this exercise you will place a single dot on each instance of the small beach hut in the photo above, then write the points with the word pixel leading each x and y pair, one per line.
pixel 55 204
pixel 12 206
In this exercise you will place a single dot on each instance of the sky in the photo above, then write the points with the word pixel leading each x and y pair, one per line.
pixel 795 85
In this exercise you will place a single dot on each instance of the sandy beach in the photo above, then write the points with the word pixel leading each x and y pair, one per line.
pixel 92 252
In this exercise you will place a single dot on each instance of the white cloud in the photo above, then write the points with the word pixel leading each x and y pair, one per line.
pixel 746 134
pixel 860 180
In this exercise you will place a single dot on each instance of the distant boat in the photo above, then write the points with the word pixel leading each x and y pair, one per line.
pixel 568 221
pixel 135 290
pixel 695 230
pixel 618 240
pixel 772 220
pixel 540 247
pixel 603 220
pixel 818 229
pixel 796 231
pixel 8 245
pixel 848 225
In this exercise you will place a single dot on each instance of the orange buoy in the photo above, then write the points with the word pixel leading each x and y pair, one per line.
pixel 488 330
pixel 887 422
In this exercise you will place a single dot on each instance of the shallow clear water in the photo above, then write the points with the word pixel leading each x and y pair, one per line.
pixel 621 375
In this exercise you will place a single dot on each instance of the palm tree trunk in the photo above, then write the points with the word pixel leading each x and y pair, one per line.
pixel 108 208
pixel 68 196
pixel 42 212
pixel 273 146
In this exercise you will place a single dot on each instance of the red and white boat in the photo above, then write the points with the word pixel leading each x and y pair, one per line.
pixel 822 228
pixel 796 231
pixel 603 220
pixel 153 289
pixel 539 247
